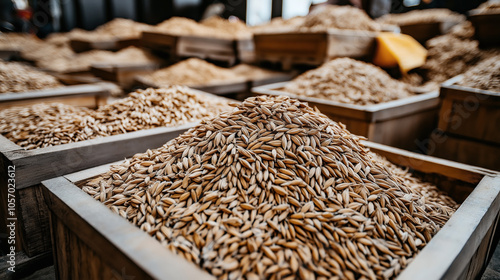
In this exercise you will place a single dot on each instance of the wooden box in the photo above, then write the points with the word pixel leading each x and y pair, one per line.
pixel 34 166
pixel 469 126
pixel 123 75
pixel 91 95
pixel 425 31
pixel 229 87
pixel 400 123
pixel 177 47
pixel 486 27
pixel 313 48
pixel 90 241
pixel 80 45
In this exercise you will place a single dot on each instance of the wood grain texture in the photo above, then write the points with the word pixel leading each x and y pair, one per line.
pixel 462 247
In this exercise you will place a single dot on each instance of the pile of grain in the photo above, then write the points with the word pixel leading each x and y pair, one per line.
pixel 212 27
pixel 279 25
pixel 118 28
pixel 485 75
pixel 45 125
pixel 83 61
pixel 347 80
pixel 275 190
pixel 339 17
pixel 194 71
pixel 422 16
pixel 15 77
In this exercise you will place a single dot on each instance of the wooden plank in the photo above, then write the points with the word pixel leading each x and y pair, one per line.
pixel 405 106
pixel 427 164
pixel 108 234
pixel 455 244
pixel 469 112
pixel 34 166
pixel 466 150
pixel 102 89
pixel 350 43
pixel 80 101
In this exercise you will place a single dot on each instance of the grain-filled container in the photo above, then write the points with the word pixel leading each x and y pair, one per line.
pixel 469 118
pixel 45 159
pixel 88 234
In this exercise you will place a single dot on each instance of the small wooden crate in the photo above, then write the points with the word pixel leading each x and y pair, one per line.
pixel 400 123
pixel 91 96
pixel 86 234
pixel 177 47
pixel 313 48
pixel 123 75
pixel 468 127
pixel 425 31
pixel 486 27
pixel 81 45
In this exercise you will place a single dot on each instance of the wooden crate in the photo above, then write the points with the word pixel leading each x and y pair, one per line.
pixel 230 87
pixel 400 123
pixel 81 45
pixel 486 29
pixel 34 166
pixel 313 48
pixel 91 95
pixel 123 75
pixel 470 113
pixel 177 47
pixel 425 31
pixel 465 150
pixel 86 233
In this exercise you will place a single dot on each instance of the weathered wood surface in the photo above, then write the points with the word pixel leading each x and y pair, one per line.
pixel 89 230
pixel 402 123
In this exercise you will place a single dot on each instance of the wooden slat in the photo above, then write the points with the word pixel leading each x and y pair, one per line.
pixel 454 245
pixel 34 166
pixel 427 164
pixel 113 238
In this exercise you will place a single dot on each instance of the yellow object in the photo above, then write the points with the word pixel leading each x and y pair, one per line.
pixel 399 49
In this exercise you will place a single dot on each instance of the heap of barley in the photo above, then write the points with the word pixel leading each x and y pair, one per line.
pixel 275 190
pixel 16 77
pixel 44 125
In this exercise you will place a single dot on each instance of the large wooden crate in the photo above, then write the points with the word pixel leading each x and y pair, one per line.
pixel 91 95
pixel 313 48
pixel 400 123
pixel 90 241
pixel 123 75
pixel 486 29
pixel 469 126
pixel 177 47
pixel 82 45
